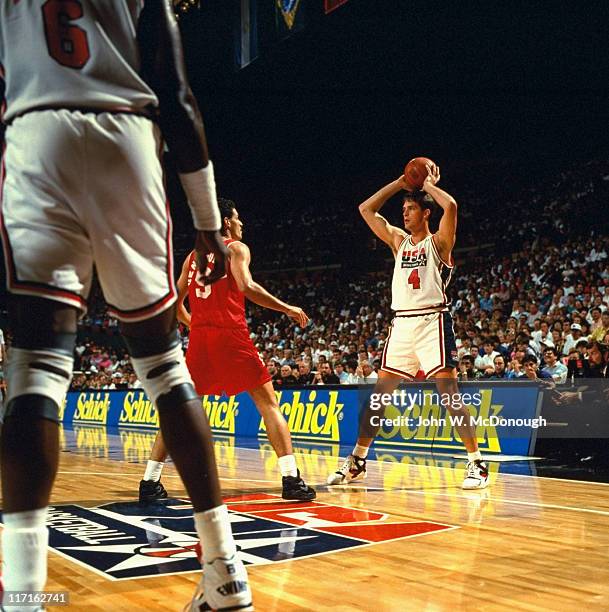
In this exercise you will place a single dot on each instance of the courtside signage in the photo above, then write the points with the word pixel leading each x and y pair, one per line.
pixel 330 414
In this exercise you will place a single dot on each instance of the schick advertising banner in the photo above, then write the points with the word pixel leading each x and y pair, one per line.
pixel 506 416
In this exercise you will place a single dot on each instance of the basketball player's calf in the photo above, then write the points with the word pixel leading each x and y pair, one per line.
pixel 39 369
pixel 158 360
pixel 293 486
pixel 354 466
pixel 477 470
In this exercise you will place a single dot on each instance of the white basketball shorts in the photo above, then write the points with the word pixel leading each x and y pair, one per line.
pixel 420 342
pixel 84 189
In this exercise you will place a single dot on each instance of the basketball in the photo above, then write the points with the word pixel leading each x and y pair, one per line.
pixel 415 172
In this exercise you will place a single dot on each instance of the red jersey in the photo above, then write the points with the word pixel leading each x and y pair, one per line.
pixel 217 305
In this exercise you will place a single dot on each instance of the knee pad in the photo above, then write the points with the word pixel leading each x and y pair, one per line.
pixel 161 374
pixel 45 372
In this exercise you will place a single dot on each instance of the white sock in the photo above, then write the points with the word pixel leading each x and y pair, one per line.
pixel 360 451
pixel 25 540
pixel 213 528
pixel 153 470
pixel 287 465
pixel 476 456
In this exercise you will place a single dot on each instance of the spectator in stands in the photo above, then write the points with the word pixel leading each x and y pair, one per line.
pixel 572 338
pixel 553 367
pixel 498 371
pixel 488 358
pixel 542 338
pixel 365 373
pixel 325 376
pixel 531 369
pixel 339 370
pixel 286 377
pixel 467 371
pixel 352 366
pixel 305 376
pixel 601 330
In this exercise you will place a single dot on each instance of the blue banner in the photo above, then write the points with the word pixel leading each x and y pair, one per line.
pixel 502 414
pixel 246 33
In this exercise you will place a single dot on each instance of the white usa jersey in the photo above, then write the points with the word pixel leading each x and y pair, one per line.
pixel 79 54
pixel 420 278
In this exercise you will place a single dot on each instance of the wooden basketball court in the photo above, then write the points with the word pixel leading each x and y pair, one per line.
pixel 408 538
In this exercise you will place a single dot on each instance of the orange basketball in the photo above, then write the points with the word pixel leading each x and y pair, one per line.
pixel 415 172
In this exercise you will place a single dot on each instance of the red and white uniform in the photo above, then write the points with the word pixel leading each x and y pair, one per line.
pixel 421 336
pixel 221 356
pixel 74 106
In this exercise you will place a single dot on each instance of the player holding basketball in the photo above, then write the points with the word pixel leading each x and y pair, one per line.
pixel 221 356
pixel 421 334
pixel 82 185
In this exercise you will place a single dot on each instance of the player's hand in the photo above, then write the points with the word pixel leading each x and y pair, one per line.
pixel 433 176
pixel 298 314
pixel 401 182
pixel 207 243
pixel 567 397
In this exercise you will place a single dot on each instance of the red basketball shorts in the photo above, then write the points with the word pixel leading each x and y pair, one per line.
pixel 224 360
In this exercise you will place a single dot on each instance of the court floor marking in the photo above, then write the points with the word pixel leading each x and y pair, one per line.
pixel 490 497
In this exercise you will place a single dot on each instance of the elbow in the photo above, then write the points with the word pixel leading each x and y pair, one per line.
pixel 244 286
pixel 363 209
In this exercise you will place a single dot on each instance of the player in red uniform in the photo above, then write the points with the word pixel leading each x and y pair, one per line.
pixel 221 356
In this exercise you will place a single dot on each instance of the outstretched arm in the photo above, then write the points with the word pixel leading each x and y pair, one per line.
pixel 182 285
pixel 446 235
pixel 388 233
pixel 240 269
pixel 162 67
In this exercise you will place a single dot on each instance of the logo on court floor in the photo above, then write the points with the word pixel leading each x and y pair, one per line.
pixel 125 540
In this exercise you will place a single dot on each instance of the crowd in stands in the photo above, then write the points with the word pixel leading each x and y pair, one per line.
pixel 530 291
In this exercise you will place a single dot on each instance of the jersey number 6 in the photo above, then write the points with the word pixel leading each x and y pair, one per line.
pixel 67 43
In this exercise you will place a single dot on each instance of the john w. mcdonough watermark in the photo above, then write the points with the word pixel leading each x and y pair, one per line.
pixel 376 420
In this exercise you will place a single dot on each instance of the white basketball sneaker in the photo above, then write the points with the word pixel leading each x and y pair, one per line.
pixel 353 468
pixel 476 476
pixel 223 586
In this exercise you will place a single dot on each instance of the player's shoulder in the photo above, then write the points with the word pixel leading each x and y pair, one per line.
pixel 237 246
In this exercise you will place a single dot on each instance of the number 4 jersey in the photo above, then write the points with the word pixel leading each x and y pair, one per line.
pixel 420 278
pixel 217 305
pixel 78 54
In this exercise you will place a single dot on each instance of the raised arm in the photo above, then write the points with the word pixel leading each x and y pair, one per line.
pixel 389 234
pixel 446 235
pixel 240 269
pixel 162 67
pixel 182 285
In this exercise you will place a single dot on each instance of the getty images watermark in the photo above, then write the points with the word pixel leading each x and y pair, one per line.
pixel 459 402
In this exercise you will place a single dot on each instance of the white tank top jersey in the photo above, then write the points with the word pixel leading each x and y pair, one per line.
pixel 420 278
pixel 71 54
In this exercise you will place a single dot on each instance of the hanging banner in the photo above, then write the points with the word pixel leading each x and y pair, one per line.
pixel 246 33
pixel 330 5
pixel 289 17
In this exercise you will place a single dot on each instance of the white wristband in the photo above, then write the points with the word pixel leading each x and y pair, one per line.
pixel 200 189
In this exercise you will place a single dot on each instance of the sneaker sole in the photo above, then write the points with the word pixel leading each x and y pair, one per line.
pixel 482 486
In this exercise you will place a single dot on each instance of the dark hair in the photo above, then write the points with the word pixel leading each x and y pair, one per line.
pixel 424 200
pixel 226 208
pixel 603 348
pixel 530 359
pixel 551 349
